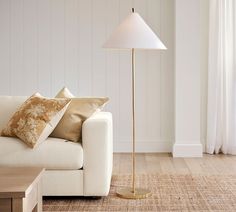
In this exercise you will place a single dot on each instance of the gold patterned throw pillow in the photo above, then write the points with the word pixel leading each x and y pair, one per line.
pixel 70 126
pixel 36 119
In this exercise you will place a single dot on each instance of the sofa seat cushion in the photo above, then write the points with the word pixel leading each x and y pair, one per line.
pixel 54 153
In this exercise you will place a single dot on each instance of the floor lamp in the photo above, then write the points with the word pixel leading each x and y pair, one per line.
pixel 133 33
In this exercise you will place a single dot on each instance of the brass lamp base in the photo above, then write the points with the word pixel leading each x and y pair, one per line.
pixel 128 193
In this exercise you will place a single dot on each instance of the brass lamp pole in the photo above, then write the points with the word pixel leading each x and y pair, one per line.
pixel 133 33
pixel 133 192
pixel 133 117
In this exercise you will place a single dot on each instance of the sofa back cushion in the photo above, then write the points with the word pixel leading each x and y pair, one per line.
pixel 8 106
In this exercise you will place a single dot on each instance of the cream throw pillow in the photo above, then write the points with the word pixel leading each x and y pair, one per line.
pixel 70 126
pixel 36 119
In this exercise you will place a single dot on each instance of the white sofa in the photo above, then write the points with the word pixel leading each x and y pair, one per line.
pixel 72 169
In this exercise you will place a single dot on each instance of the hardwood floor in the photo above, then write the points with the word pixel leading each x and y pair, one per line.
pixel 165 163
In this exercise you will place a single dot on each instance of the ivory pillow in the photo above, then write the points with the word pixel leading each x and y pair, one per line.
pixel 36 119
pixel 70 126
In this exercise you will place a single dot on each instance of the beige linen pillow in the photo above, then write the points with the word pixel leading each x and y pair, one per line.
pixel 36 119
pixel 78 111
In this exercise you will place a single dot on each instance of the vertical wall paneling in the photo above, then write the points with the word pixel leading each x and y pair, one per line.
pixel 30 42
pixel 99 54
pixel 85 26
pixel 204 30
pixel 125 86
pixel 58 45
pixel 45 47
pixel 112 68
pixel 48 44
pixel 154 74
pixel 141 81
pixel 17 48
pixel 167 70
pixel 5 84
pixel 71 45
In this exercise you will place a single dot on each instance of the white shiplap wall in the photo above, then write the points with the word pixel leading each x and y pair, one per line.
pixel 46 44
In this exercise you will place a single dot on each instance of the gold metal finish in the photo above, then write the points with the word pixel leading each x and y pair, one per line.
pixel 133 117
pixel 128 193
pixel 133 193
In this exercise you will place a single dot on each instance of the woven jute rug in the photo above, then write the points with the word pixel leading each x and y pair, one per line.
pixel 169 193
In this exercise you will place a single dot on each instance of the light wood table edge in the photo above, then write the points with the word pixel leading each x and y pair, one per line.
pixel 27 201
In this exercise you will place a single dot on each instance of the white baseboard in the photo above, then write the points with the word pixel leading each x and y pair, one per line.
pixel 143 146
pixel 203 142
pixel 187 150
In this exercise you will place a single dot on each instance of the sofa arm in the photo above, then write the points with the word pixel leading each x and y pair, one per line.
pixel 97 139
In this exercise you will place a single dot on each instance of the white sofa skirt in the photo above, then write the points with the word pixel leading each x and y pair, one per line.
pixel 63 183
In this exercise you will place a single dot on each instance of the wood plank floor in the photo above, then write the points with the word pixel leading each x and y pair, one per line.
pixel 165 163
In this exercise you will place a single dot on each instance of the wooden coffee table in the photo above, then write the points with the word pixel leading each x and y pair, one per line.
pixel 20 189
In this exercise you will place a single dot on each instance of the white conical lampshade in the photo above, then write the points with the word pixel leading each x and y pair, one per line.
pixel 133 32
